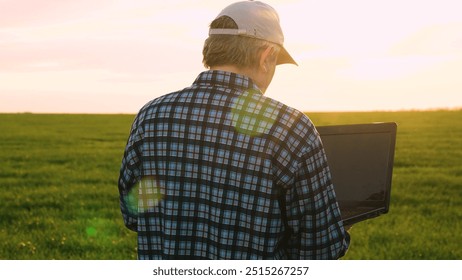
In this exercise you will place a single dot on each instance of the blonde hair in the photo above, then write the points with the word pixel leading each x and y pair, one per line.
pixel 240 51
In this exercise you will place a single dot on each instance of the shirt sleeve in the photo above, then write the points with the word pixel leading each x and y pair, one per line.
pixel 312 214
pixel 130 174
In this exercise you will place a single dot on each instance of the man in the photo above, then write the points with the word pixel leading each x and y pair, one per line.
pixel 218 171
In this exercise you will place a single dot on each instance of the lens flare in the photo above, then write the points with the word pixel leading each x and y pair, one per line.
pixel 100 229
pixel 91 231
pixel 145 196
pixel 252 114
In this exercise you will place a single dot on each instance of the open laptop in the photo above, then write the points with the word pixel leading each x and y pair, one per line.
pixel 360 158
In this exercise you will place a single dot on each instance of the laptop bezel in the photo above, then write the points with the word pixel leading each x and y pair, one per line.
pixel 390 128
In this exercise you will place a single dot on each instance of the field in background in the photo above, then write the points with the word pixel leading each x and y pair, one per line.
pixel 59 198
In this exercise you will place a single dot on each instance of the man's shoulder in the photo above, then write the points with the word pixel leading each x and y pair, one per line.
pixel 290 115
pixel 153 104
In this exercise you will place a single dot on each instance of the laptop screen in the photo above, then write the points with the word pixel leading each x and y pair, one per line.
pixel 360 158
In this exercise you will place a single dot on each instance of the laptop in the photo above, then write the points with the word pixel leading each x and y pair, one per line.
pixel 360 158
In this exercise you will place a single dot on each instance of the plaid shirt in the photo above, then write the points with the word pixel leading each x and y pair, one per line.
pixel 218 171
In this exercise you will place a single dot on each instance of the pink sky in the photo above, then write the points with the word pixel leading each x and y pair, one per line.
pixel 103 56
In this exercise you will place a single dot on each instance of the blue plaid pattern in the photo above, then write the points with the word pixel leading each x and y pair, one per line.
pixel 218 171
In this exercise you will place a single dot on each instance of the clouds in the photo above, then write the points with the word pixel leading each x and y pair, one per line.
pixel 25 13
pixel 137 50
pixel 127 36
pixel 439 39
pixel 419 53
pixel 113 39
pixel 65 53
pixel 365 55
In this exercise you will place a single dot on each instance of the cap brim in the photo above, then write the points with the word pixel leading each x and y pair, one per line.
pixel 285 58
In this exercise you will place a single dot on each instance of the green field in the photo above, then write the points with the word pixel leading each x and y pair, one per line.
pixel 59 197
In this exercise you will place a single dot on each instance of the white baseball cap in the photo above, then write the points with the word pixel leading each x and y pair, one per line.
pixel 257 20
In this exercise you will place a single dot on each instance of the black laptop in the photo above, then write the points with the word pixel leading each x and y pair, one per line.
pixel 360 158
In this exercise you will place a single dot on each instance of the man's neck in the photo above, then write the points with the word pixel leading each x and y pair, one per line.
pixel 241 71
pixel 230 68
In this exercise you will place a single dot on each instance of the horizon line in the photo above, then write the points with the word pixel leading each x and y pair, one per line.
pixel 304 111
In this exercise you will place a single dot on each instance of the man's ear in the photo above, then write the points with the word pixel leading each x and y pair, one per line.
pixel 265 58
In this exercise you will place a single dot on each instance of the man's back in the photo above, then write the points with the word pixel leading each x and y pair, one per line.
pixel 225 173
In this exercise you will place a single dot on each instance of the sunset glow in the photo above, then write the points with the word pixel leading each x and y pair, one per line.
pixel 113 56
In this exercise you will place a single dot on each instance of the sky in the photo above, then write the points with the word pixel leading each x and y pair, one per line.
pixel 113 56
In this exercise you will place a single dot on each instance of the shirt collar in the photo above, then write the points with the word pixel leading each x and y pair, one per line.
pixel 226 79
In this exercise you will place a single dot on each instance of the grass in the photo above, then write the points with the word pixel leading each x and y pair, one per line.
pixel 58 186
pixel 59 199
